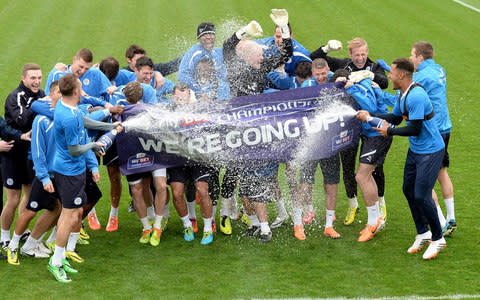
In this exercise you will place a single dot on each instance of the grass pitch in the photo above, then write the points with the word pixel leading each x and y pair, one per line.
pixel 118 267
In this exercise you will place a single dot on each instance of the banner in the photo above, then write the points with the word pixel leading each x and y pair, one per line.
pixel 293 125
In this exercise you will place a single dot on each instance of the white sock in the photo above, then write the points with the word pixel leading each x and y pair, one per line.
pixel 310 208
pixel 166 210
pixel 158 222
pixel 113 212
pixel 191 210
pixel 329 218
pixel 254 220
pixel 381 201
pixel 234 207
pixel 151 212
pixel 207 227
pixel 5 235
pixel 225 206
pixel 297 216
pixel 264 228
pixel 58 255
pixel 186 222
pixel 15 241
pixel 352 202
pixel 145 223
pixel 372 215
pixel 281 207
pixel 30 244
pixel 214 211
pixel 449 204
pixel 92 211
pixel 441 217
pixel 72 241
pixel 53 235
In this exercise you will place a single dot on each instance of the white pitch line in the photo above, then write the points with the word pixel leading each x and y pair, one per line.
pixel 467 5
pixel 411 297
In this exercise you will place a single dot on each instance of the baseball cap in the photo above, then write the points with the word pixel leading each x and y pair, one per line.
pixel 205 28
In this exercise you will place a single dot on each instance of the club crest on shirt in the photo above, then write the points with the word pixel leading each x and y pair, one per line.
pixel 86 81
pixel 77 201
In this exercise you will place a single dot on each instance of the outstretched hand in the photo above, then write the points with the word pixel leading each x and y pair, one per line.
pixel 279 17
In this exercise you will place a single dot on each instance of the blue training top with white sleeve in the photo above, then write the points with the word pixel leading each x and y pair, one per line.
pixel 190 60
pixel 43 147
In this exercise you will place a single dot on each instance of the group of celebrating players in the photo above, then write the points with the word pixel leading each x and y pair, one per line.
pixel 51 147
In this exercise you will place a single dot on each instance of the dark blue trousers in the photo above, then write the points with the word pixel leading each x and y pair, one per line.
pixel 419 177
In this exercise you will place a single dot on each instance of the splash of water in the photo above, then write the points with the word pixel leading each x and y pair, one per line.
pixel 336 110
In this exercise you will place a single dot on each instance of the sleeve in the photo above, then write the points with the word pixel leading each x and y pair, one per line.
pixel 90 123
pixel 103 83
pixel 92 162
pixel 229 49
pixel 333 62
pixel 50 78
pixel 16 114
pixel 380 76
pixel 279 79
pixel 363 93
pixel 308 83
pixel 93 101
pixel 273 62
pixel 390 99
pixel 43 107
pixel 221 74
pixel 149 94
pixel 7 132
pixel 187 69
pixel 165 89
pixel 77 150
pixel 124 77
pixel 412 129
pixel 38 147
pixel 168 67
pixel 223 90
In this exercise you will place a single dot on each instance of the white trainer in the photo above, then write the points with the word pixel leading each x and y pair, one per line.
pixel 35 252
pixel 420 241
pixel 434 248
pixel 41 247
pixel 281 218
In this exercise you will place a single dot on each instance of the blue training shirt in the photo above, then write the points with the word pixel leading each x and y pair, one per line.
pixel 190 60
pixel 433 78
pixel 365 96
pixel 68 131
pixel 43 148
pixel 94 82
pixel 418 106
pixel 300 53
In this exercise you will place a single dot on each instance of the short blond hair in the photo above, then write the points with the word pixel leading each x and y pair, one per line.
pixel 356 43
